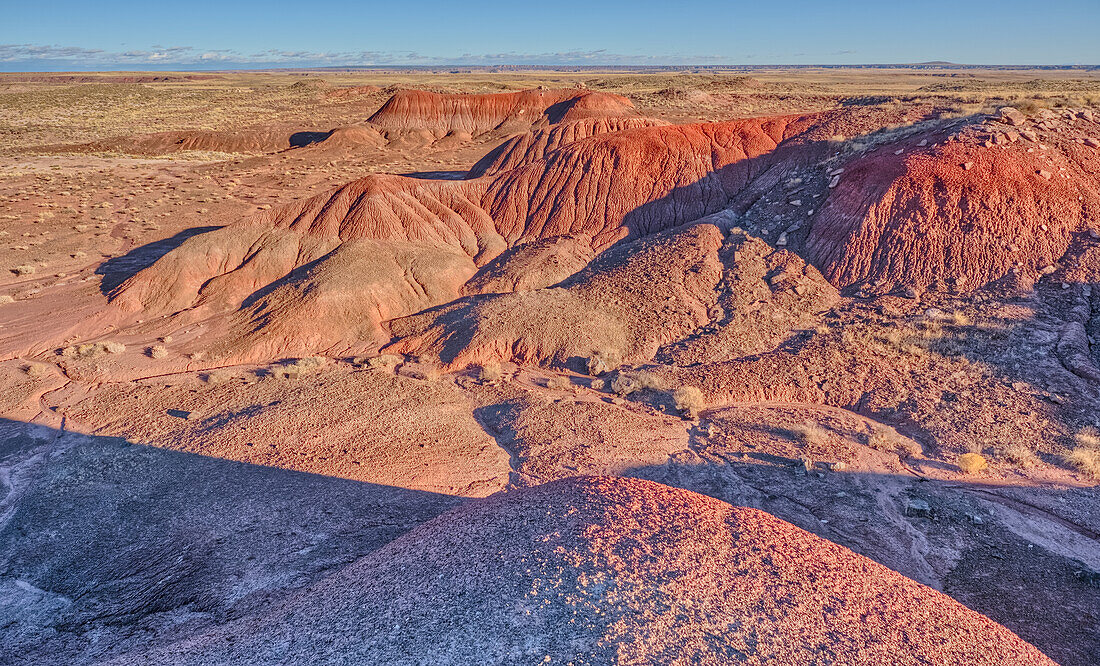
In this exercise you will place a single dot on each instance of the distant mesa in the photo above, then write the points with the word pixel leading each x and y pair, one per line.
pixel 609 570
pixel 352 92
pixel 478 114
pixel 105 78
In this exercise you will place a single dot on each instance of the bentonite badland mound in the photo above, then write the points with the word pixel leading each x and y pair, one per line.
pixel 595 570
pixel 477 114
pixel 913 210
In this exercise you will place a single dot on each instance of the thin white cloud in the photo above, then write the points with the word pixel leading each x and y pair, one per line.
pixel 188 55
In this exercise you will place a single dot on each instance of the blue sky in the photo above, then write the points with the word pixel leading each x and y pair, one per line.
pixel 198 34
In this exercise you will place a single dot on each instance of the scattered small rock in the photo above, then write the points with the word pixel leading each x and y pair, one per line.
pixel 918 507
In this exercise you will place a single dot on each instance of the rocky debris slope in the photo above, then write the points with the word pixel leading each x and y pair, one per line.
pixel 630 301
pixel 964 208
pixel 595 569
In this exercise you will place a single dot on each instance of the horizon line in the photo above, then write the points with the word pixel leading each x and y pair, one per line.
pixel 247 67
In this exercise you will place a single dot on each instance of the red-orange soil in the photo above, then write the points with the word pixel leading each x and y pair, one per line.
pixel 606 570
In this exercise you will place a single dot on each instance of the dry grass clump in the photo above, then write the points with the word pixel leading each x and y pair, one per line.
pixel 559 383
pixel 24 269
pixel 602 362
pixel 490 373
pixel 928 335
pixel 689 401
pixel 295 368
pixel 1020 455
pixel 157 351
pixel 216 376
pixel 888 440
pixel 809 433
pixel 625 383
pixel 5 298
pixel 36 370
pixel 428 373
pixel 972 463
pixel 93 349
pixel 386 362
pixel 1086 455
pixel 1088 437
pixel 1028 106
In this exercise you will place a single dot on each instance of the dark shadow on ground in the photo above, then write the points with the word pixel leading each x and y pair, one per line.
pixel 436 175
pixel 102 540
pixel 302 139
pixel 117 270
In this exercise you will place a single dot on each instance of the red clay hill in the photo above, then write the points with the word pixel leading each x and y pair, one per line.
pixel 609 570
pixel 477 114
pixel 532 146
pixel 911 209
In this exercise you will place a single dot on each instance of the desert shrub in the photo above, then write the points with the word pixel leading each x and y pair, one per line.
pixel 24 269
pixel 93 349
pixel 625 383
pixel 648 380
pixel 157 351
pixel 1088 437
pixel 428 373
pixel 1086 455
pixel 688 400
pixel 958 318
pixel 1028 106
pixel 1086 460
pixel 295 368
pixel 602 362
pixel 971 463
pixel 490 373
pixel 36 370
pixel 5 298
pixel 889 440
pixel 809 433
pixel 385 362
pixel 216 376
pixel 1020 455
pixel 559 383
